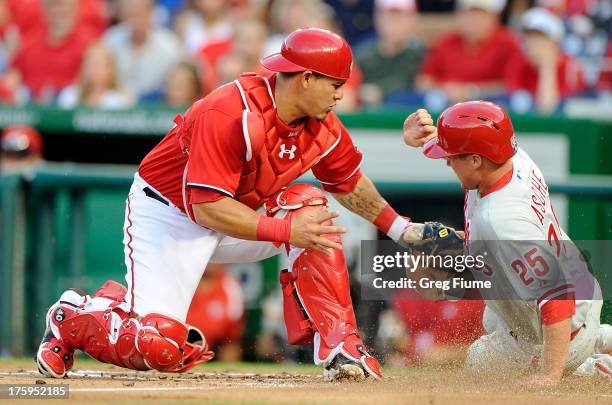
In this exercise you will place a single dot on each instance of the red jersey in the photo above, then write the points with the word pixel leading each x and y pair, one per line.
pixel 28 16
pixel 570 76
pixel 211 153
pixel 218 309
pixel 452 60
pixel 604 82
pixel 47 68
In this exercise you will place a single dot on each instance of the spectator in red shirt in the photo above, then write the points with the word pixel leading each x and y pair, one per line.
pixel 217 309
pixel 545 72
pixel 604 83
pixel 29 15
pixel 472 61
pixel 242 54
pixel 50 59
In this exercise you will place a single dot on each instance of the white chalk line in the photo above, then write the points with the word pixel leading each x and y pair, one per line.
pixel 212 381
pixel 137 389
pixel 140 389
pixel 156 375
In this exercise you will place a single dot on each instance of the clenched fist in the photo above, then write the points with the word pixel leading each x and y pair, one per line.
pixel 419 128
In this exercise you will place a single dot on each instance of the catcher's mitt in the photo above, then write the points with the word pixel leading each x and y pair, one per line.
pixel 443 239
pixel 437 240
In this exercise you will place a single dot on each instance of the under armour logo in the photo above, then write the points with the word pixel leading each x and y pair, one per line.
pixel 291 151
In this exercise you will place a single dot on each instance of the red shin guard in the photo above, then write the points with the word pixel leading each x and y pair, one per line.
pixel 99 327
pixel 316 292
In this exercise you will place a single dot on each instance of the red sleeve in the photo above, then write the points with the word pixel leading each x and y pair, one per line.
pixel 517 73
pixel 434 60
pixel 17 59
pixel 216 157
pixel 571 77
pixel 557 310
pixel 338 171
pixel 201 195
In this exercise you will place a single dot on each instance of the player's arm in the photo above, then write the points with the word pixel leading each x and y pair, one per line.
pixel 365 201
pixel 556 317
pixel 340 175
pixel 556 346
pixel 305 229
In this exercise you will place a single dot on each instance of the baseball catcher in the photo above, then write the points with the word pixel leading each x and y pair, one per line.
pixel 217 189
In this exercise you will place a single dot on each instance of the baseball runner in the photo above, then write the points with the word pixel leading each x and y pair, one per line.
pixel 217 189
pixel 507 199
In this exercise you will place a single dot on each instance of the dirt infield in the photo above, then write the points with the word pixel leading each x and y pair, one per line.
pixel 216 383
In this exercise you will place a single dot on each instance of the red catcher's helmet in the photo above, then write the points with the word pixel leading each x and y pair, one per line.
pixel 314 49
pixel 478 127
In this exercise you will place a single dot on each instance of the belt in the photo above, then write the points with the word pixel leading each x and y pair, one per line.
pixel 152 194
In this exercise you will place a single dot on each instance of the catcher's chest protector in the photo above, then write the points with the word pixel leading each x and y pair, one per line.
pixel 277 158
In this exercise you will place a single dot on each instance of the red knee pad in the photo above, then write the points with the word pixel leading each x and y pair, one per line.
pixel 294 197
pixel 111 290
pixel 299 328
pixel 160 341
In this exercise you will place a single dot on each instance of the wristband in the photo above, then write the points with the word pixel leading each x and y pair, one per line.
pixel 273 229
pixel 391 223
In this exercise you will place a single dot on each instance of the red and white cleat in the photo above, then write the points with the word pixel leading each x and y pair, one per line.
pixel 53 358
pixel 353 362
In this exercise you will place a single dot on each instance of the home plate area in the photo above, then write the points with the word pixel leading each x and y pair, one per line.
pixel 249 383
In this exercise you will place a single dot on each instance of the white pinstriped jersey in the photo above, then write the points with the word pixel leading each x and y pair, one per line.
pixel 526 249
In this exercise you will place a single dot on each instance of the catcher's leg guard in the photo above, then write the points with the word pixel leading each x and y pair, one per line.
pixel 322 286
pixel 97 326
pixel 53 357
pixel 167 344
pixel 299 327
pixel 317 303
pixel 195 351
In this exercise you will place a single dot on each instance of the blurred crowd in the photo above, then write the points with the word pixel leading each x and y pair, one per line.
pixel 530 55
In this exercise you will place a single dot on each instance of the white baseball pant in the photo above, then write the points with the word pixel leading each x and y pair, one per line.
pixel 166 253
pixel 500 352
